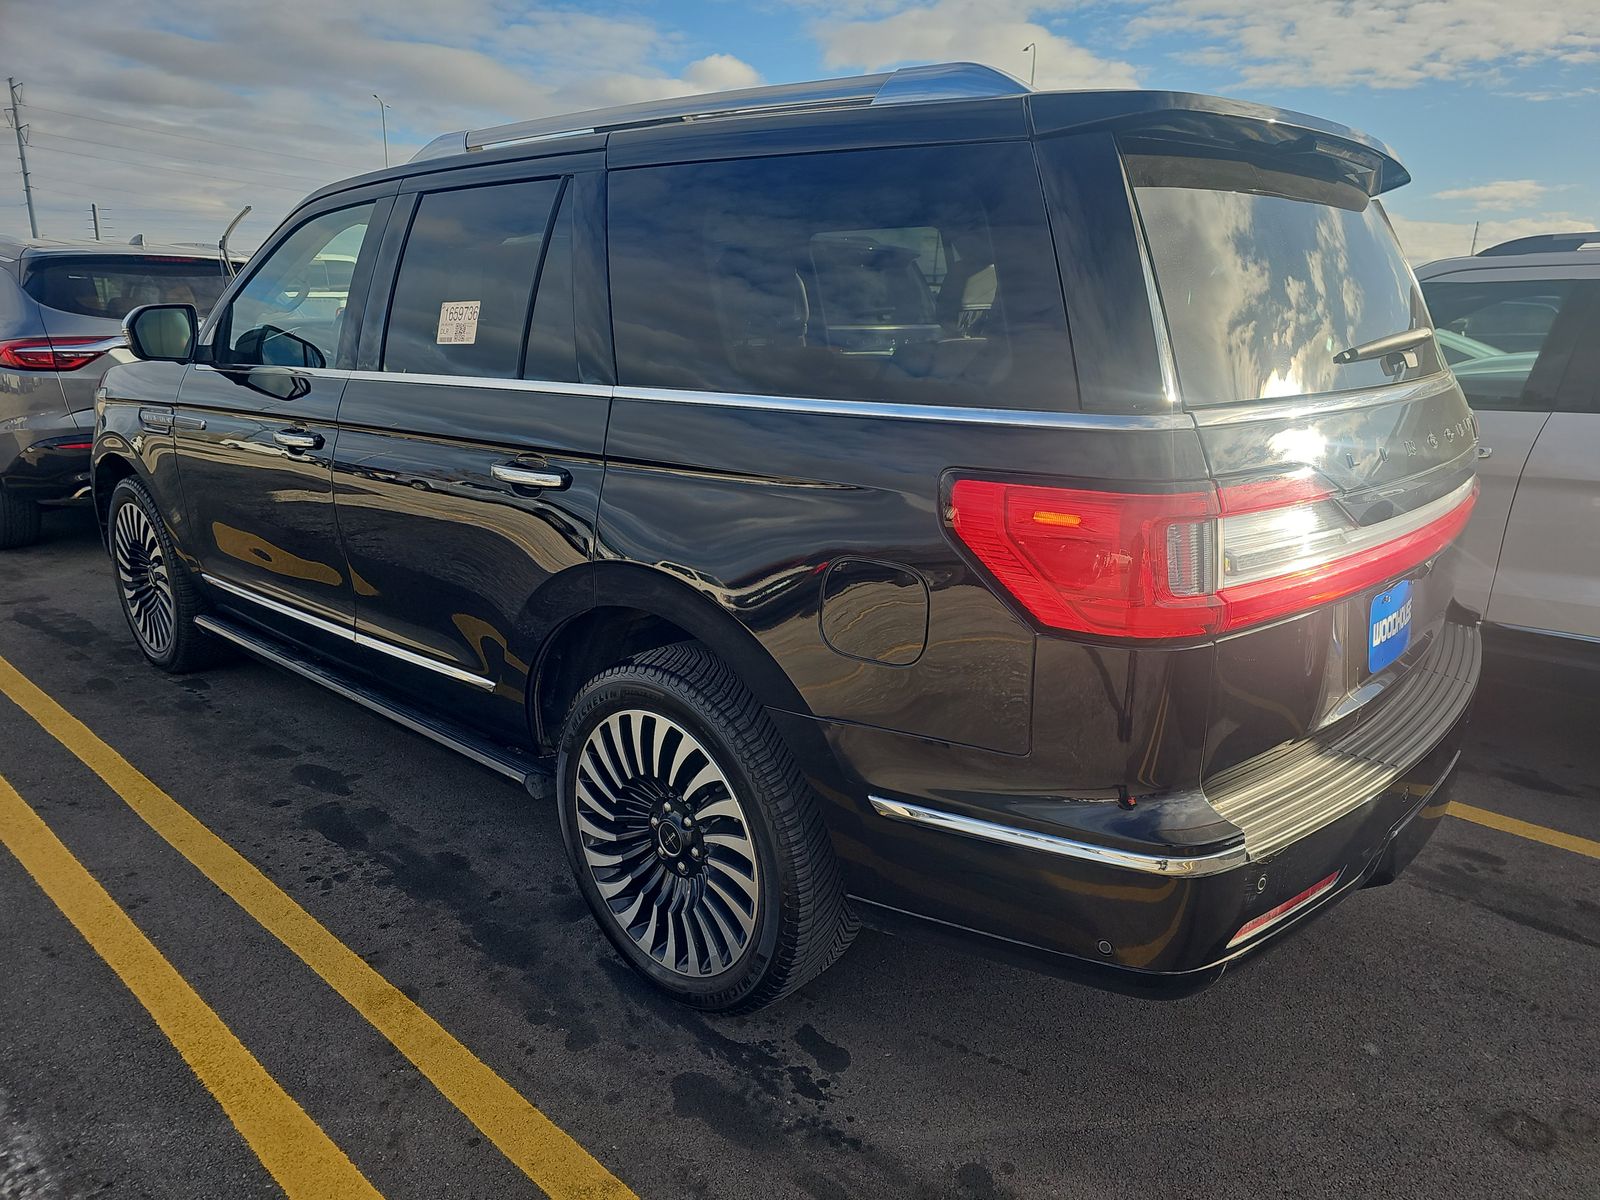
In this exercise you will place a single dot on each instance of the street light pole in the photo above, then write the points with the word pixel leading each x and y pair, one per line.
pixel 383 115
pixel 1033 61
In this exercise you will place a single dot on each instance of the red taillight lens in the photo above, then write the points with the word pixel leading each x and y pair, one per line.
pixel 51 354
pixel 1086 560
pixel 1179 564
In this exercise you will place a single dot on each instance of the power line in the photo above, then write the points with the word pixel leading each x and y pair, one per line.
pixel 196 161
pixel 211 175
pixel 328 162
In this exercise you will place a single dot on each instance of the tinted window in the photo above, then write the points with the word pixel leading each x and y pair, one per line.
pixel 552 337
pixel 114 287
pixel 466 280
pixel 1492 334
pixel 923 275
pixel 291 310
pixel 1265 275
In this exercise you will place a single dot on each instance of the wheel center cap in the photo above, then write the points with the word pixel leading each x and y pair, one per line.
pixel 670 837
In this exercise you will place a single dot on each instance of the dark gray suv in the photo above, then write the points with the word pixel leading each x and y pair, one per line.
pixel 61 310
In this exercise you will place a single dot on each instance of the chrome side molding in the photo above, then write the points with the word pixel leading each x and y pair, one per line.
pixel 1187 867
pixel 350 634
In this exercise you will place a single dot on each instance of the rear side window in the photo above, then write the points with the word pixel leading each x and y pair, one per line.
pixel 114 286
pixel 465 285
pixel 919 275
pixel 1493 334
pixel 1267 273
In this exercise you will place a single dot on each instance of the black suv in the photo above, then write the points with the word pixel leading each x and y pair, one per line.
pixel 911 499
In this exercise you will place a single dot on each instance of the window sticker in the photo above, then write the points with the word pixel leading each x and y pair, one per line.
pixel 458 322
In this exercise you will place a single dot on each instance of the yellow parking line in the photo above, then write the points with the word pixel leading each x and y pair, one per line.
pixel 537 1145
pixel 1526 829
pixel 292 1147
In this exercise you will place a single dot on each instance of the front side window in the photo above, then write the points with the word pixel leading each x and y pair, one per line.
pixel 113 286
pixel 462 296
pixel 1492 334
pixel 291 311
pixel 1267 275
pixel 919 275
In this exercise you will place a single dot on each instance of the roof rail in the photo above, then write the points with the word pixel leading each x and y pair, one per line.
pixel 1544 243
pixel 909 85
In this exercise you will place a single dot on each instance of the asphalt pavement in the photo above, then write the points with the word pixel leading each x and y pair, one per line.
pixel 1433 1038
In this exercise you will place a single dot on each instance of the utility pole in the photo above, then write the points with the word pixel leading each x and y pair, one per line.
pixel 1033 62
pixel 22 151
pixel 94 215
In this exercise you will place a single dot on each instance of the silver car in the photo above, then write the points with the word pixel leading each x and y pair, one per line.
pixel 61 310
pixel 1519 324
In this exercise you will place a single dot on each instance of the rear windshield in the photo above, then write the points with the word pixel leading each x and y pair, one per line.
pixel 113 287
pixel 1267 274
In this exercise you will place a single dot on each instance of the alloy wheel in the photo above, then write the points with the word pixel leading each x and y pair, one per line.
pixel 667 843
pixel 142 573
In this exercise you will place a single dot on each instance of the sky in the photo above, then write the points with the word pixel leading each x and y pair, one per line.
pixel 174 114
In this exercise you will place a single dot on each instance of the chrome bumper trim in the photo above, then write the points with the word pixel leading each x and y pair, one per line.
pixel 1190 867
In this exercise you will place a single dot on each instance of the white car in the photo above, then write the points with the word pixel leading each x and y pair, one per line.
pixel 1519 324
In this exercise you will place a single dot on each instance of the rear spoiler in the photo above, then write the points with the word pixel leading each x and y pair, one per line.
pixel 1186 116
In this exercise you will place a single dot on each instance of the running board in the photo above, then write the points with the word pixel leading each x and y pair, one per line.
pixel 506 760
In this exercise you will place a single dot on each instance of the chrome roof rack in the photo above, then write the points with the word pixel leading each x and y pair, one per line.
pixel 909 85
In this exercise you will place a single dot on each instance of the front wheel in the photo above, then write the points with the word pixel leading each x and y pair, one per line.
pixel 158 597
pixel 693 835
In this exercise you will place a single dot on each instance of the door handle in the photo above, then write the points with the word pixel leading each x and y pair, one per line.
pixel 1485 451
pixel 155 420
pixel 294 439
pixel 530 477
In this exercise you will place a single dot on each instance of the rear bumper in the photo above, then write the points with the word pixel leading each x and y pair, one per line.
pixel 1169 919
pixel 47 464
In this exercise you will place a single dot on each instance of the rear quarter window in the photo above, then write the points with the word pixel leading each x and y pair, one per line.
pixel 921 275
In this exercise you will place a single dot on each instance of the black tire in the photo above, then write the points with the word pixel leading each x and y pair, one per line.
pixel 19 521
pixel 683 703
pixel 154 587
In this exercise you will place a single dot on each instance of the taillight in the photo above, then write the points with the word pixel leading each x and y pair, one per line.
pixel 1191 562
pixel 53 353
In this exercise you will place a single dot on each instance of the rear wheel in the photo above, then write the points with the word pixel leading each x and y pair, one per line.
pixel 693 836
pixel 19 521
pixel 158 597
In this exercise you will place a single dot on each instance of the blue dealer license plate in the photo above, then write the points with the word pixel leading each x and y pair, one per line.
pixel 1389 627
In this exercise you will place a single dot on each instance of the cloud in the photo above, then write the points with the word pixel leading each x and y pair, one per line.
pixel 1374 43
pixel 985 31
pixel 1424 241
pixel 1499 196
pixel 173 114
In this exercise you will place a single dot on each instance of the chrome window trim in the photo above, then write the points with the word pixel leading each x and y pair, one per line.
pixel 1293 408
pixel 891 410
pixel 1025 418
pixel 1190 867
pixel 350 634
pixel 602 391
pixel 313 372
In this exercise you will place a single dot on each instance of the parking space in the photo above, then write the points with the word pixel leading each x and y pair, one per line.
pixel 1435 1037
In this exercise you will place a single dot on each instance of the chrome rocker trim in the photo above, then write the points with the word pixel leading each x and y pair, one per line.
pixel 351 635
pixel 1190 867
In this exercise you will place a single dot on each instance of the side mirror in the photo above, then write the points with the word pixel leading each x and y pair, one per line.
pixel 162 332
